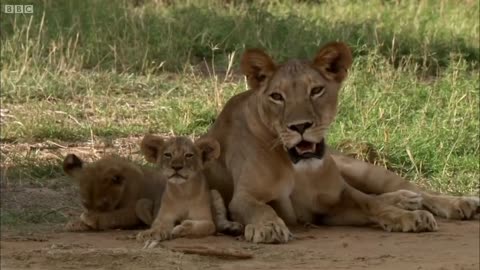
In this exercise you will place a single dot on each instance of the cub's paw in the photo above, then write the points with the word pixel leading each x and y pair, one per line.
pixel 90 219
pixel 76 225
pixel 404 199
pixel 268 232
pixel 408 221
pixel 233 228
pixel 153 236
pixel 452 207
pixel 183 229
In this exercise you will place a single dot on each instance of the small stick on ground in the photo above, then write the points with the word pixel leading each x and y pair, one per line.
pixel 214 252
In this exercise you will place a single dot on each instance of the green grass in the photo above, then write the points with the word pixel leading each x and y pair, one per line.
pixel 12 219
pixel 80 69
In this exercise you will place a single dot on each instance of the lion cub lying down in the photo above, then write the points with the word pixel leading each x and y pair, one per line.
pixel 187 203
pixel 115 192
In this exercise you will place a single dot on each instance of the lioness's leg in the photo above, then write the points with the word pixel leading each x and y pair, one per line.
pixel 451 207
pixel 262 223
pixel 358 208
pixel 377 180
pixel 284 208
pixel 370 178
pixel 402 198
pixel 194 228
pixel 219 210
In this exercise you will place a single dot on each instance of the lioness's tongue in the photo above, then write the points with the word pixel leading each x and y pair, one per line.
pixel 305 147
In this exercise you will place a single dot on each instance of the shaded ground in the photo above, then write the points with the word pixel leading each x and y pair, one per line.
pixel 38 242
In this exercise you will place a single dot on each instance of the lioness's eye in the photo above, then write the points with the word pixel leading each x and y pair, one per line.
pixel 167 155
pixel 276 96
pixel 188 155
pixel 317 91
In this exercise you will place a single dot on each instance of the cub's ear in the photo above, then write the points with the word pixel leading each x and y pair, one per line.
pixel 333 60
pixel 257 66
pixel 150 147
pixel 209 149
pixel 72 164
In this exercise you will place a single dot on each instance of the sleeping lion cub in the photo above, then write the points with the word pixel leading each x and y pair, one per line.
pixel 115 192
pixel 187 203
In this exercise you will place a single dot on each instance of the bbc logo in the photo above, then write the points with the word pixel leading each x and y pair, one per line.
pixel 18 9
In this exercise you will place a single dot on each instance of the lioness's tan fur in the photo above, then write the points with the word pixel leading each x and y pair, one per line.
pixel 187 200
pixel 289 104
pixel 115 192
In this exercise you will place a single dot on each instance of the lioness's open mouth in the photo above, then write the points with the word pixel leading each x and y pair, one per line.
pixel 306 150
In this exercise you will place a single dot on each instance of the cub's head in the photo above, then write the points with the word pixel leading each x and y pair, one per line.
pixel 179 158
pixel 297 100
pixel 104 184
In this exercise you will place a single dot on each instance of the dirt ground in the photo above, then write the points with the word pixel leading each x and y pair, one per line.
pixel 44 245
pixel 455 246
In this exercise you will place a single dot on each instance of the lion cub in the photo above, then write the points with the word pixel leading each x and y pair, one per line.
pixel 115 192
pixel 187 203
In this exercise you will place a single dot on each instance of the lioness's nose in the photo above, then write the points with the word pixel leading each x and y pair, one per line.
pixel 177 167
pixel 300 128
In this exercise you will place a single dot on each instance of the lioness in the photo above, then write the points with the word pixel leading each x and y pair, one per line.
pixel 275 166
pixel 115 192
pixel 187 200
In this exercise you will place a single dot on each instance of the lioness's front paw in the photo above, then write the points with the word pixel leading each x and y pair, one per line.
pixel 453 207
pixel 76 226
pixel 268 232
pixel 89 219
pixel 408 221
pixel 404 199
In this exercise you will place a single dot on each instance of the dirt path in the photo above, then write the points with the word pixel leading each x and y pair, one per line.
pixel 454 246
pixel 29 242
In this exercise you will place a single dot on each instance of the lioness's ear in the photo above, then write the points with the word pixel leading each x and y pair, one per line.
pixel 150 147
pixel 257 66
pixel 333 60
pixel 209 149
pixel 72 164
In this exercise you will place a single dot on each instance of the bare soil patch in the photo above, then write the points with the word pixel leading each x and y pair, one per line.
pixel 455 246
pixel 44 245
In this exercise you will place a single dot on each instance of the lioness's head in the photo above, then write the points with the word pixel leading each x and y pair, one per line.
pixel 179 158
pixel 103 183
pixel 297 100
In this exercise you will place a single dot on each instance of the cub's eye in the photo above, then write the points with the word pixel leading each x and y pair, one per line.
pixel 188 155
pixel 167 155
pixel 276 96
pixel 317 91
pixel 117 179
